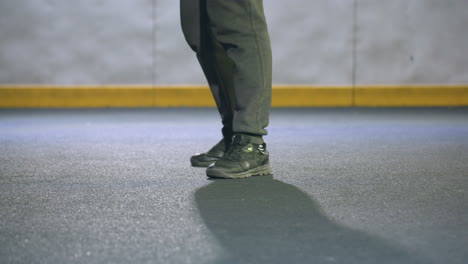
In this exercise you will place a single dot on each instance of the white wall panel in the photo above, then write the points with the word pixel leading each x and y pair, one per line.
pixel 311 40
pixel 304 50
pixel 417 41
pixel 114 42
pixel 75 42
pixel 175 62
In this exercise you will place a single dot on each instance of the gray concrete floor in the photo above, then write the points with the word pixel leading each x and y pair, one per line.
pixel 349 186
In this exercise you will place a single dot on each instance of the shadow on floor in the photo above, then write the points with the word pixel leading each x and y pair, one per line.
pixel 263 220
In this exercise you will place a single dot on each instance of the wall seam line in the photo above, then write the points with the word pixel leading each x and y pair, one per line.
pixel 153 51
pixel 354 53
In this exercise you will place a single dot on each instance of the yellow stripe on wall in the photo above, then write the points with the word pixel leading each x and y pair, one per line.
pixel 440 95
pixel 304 96
pixel 24 96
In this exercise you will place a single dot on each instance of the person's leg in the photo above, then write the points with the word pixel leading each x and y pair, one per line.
pixel 216 67
pixel 239 27
pixel 235 54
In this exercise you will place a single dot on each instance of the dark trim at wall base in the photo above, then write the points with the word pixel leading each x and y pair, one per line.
pixel 24 96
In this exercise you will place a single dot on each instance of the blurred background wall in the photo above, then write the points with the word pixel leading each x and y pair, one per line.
pixel 317 42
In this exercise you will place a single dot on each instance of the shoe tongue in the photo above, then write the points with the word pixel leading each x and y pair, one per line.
pixel 240 140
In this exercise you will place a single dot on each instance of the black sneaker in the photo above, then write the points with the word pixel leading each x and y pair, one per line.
pixel 206 159
pixel 243 159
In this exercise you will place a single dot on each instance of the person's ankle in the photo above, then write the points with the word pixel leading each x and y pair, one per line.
pixel 255 139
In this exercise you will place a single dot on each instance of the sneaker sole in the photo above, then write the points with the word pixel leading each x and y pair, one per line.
pixel 201 164
pixel 258 171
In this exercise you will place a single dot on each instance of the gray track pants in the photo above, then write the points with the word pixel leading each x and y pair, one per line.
pixel 230 38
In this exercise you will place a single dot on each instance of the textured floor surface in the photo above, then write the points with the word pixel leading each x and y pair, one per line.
pixel 349 186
